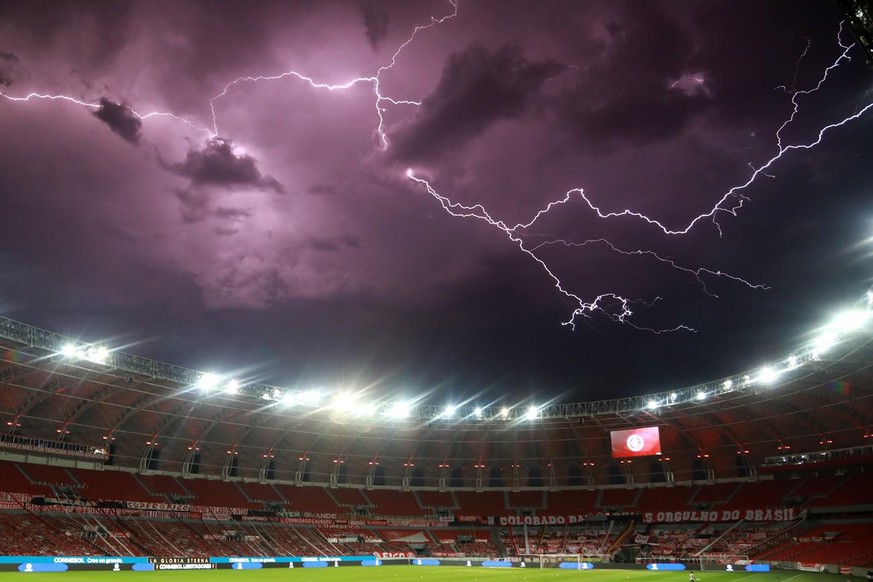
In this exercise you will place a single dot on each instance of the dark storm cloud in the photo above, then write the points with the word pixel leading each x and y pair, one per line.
pixel 322 190
pixel 218 165
pixel 333 245
pixel 120 120
pixel 196 205
pixel 478 87
pixel 375 21
pixel 193 204
pixel 48 21
pixel 7 63
pixel 628 94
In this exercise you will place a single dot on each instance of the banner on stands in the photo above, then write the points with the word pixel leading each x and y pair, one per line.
pixel 769 514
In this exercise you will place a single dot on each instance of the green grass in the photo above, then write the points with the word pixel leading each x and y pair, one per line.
pixel 416 574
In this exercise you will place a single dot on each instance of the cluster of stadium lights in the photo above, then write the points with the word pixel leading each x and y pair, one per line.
pixel 352 404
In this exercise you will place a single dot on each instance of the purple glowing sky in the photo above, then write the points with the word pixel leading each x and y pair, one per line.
pixel 266 223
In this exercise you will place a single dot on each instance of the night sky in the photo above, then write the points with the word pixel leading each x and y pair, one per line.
pixel 267 228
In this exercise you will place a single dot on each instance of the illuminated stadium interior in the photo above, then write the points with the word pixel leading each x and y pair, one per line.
pixel 105 430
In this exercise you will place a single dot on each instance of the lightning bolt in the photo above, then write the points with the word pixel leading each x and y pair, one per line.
pixel 213 132
pixel 374 79
pixel 97 105
pixel 614 306
pixel 736 191
pixel 617 307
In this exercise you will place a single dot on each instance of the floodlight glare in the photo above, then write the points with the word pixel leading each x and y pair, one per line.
pixel 504 412
pixel 702 395
pixel 824 342
pixel 208 381
pixel 851 320
pixel 289 398
pixel 310 397
pixel 96 354
pixel 399 410
pixel 531 413
pixel 727 384
pixel 478 412
pixel 366 409
pixel 652 405
pixel 768 375
pixel 343 402
pixel 449 411
pixel 232 387
pixel 70 351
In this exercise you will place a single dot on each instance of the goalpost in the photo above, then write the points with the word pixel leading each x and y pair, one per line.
pixel 718 562
pixel 542 561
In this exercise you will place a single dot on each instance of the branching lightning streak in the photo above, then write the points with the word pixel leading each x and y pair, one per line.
pixel 736 191
pixel 585 308
pixel 30 96
pixel 97 105
pixel 612 305
pixel 374 79
pixel 698 273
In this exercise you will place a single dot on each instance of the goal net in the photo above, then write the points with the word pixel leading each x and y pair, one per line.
pixel 565 561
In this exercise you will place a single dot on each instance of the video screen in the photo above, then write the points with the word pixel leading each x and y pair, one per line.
pixel 636 442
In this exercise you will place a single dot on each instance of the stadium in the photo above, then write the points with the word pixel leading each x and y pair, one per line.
pixel 108 454
pixel 292 288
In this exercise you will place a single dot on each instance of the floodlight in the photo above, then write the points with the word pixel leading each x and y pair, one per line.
pixel 399 410
pixel 702 395
pixel 232 387
pixel 449 411
pixel 70 351
pixel 532 412
pixel 343 402
pixel 96 354
pixel 652 405
pixel 478 412
pixel 768 375
pixel 208 381
pixel 727 384
pixel 504 412
pixel 272 394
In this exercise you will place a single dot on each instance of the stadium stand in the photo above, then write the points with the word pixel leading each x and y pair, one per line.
pixel 261 493
pixel 109 485
pixel 309 499
pixel 436 499
pixel 388 502
pixel 125 497
pixel 15 480
pixel 166 487
pixel 217 493
pixel 349 497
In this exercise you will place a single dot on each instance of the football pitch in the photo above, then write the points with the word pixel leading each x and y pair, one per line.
pixel 419 574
